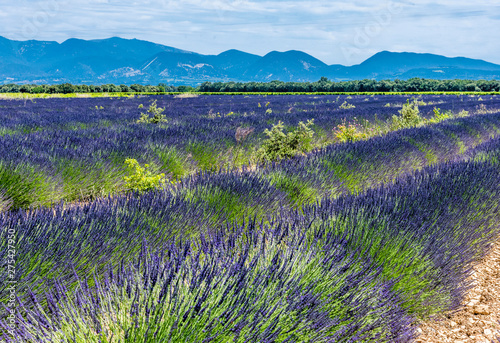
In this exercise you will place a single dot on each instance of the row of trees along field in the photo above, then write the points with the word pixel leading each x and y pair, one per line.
pixel 66 88
pixel 323 85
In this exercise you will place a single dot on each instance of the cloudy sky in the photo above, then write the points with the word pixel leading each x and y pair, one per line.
pixel 344 32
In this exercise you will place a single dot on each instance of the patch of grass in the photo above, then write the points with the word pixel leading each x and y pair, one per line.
pixel 298 191
pixel 462 148
pixel 236 157
pixel 173 162
pixel 24 185
pixel 204 156
pixel 6 131
pixel 227 206
pixel 82 182
pixel 429 154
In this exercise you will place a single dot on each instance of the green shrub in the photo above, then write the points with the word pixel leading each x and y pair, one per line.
pixel 348 132
pixel 346 106
pixel 157 115
pixel 440 116
pixel 280 145
pixel 140 178
pixel 409 116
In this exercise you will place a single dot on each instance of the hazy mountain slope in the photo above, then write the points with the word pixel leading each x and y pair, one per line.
pixel 286 66
pixel 127 61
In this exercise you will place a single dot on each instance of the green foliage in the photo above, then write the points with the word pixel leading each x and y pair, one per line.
pixel 439 116
pixel 228 205
pixel 299 192
pixel 157 115
pixel 280 145
pixel 322 86
pixel 346 106
pixel 185 89
pixel 348 132
pixel 409 116
pixel 359 86
pixel 173 161
pixel 204 156
pixel 140 178
pixel 23 185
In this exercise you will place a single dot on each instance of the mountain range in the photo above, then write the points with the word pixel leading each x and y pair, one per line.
pixel 128 61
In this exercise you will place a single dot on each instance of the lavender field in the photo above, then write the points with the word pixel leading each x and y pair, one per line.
pixel 353 240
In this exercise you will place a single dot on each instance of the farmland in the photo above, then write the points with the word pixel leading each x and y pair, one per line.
pixel 353 239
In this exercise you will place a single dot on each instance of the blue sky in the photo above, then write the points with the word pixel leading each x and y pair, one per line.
pixel 333 31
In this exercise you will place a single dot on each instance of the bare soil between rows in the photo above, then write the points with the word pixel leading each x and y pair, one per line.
pixel 478 319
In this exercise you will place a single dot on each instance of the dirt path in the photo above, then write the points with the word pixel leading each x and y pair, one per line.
pixel 479 318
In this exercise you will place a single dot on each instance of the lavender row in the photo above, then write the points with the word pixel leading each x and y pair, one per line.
pixel 68 238
pixel 265 293
pixel 404 242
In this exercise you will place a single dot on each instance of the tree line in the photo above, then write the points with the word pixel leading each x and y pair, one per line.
pixel 67 88
pixel 323 85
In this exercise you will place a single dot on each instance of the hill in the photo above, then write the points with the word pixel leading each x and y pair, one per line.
pixel 127 61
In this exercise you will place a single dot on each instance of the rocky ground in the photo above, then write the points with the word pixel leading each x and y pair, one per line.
pixel 479 318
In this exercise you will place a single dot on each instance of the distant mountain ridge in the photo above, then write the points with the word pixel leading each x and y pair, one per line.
pixel 127 61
